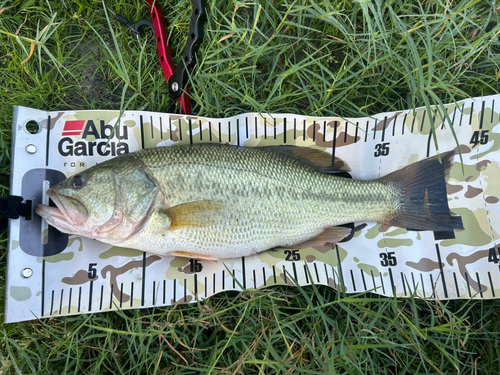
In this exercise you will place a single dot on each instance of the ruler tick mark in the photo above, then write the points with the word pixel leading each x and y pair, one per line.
pixel 190 132
pixel 175 292
pixel 316 270
pixel 423 286
pixel 244 273
pixel 468 285
pixel 324 131
pixel 161 127
pixel 52 304
pixel 164 291
pixel 382 282
pixel 264 275
pixel 254 280
pixel 43 285
pixel 100 298
pixel 363 278
pixel 334 141
pixel 482 116
pixel 383 130
pixel 142 132
pixel 295 273
pixel 284 130
pixel 394 125
pixel 471 112
pixel 131 294
pixel 238 132
pixel 111 297
pixel 352 279
pixel 91 290
pixel 121 295
pixel 403 281
pixel 79 298
pixel 433 287
pixel 306 273
pixel 185 291
pixel 61 301
pixel 143 286
pixel 393 287
pixel 491 282
pixel 423 120
pixel 441 272
pixel 456 284
pixel 154 293
pixel 196 286
pixel 69 303
pixel 477 274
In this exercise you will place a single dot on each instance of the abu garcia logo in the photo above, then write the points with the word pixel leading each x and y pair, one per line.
pixel 107 135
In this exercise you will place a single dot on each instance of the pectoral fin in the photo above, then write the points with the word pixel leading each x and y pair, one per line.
pixel 187 254
pixel 330 235
pixel 193 215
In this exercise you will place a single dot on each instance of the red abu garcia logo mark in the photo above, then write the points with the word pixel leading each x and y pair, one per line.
pixel 106 139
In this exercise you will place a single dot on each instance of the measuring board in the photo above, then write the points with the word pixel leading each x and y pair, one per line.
pixel 53 274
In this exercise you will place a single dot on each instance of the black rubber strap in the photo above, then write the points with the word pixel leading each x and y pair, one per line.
pixel 11 208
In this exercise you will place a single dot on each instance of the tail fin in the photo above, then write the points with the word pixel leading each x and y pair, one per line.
pixel 424 204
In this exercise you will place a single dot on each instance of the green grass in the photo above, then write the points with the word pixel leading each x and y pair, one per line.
pixel 348 58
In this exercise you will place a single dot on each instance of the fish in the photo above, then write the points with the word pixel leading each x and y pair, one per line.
pixel 210 201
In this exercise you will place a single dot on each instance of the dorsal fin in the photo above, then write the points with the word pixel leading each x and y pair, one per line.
pixel 320 159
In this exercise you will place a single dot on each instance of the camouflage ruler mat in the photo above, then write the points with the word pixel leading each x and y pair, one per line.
pixel 50 274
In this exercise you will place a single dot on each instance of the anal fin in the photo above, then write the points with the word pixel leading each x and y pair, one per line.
pixel 330 235
pixel 187 254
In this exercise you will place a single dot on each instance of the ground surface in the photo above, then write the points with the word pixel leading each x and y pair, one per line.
pixel 319 58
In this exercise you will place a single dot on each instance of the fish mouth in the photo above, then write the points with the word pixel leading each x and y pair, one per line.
pixel 71 211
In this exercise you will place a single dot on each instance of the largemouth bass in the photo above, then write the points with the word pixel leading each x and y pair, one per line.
pixel 218 201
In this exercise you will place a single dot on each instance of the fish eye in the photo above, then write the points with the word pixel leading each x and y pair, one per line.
pixel 77 181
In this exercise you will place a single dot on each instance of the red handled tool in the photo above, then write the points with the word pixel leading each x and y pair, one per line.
pixel 177 76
